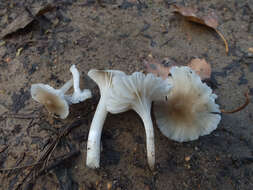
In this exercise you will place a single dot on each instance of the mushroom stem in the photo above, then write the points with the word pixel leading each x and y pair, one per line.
pixel 76 79
pixel 66 86
pixel 148 124
pixel 93 145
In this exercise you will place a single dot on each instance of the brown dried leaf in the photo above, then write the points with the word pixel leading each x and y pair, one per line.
pixel 210 20
pixel 25 18
pixel 201 67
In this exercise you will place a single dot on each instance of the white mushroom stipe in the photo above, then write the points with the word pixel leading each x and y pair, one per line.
pixel 137 91
pixel 78 95
pixel 189 111
pixel 104 81
pixel 55 100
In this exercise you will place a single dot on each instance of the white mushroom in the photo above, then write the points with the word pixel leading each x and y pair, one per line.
pixel 52 99
pixel 137 91
pixel 55 100
pixel 190 110
pixel 104 81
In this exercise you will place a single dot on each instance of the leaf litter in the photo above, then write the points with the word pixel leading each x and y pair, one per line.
pixel 210 20
pixel 162 68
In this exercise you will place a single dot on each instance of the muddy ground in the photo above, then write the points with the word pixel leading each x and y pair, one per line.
pixel 120 36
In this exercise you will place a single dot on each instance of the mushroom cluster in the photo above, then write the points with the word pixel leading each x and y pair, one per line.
pixel 119 93
pixel 55 100
pixel 184 107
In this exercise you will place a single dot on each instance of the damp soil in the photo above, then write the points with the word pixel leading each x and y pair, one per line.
pixel 120 34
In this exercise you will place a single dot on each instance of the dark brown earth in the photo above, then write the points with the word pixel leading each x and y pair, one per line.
pixel 120 36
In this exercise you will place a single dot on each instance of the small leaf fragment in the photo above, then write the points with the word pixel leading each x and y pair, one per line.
pixel 201 67
pixel 19 51
pixel 2 43
pixel 187 158
pixel 250 49
pixel 160 69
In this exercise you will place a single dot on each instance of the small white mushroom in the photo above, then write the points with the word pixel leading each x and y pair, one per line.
pixel 137 91
pixel 55 100
pixel 52 99
pixel 104 79
pixel 190 110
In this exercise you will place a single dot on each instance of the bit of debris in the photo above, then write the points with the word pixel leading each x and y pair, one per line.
pixel 250 49
pixel 2 43
pixel 8 60
pixel 187 158
pixel 201 67
pixel 210 20
pixel 247 101
pixel 109 185
pixel 19 51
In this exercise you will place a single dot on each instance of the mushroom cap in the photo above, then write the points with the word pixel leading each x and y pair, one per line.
pixel 190 110
pixel 104 78
pixel 136 91
pixel 51 98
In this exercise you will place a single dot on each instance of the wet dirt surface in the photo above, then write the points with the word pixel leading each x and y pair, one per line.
pixel 120 36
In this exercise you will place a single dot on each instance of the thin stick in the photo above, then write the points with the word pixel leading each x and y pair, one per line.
pixel 241 107
pixel 37 163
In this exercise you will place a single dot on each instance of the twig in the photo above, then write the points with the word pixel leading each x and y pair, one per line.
pixel 223 38
pixel 58 162
pixel 241 107
pixel 38 163
pixel 6 146
pixel 49 151
pixel 21 116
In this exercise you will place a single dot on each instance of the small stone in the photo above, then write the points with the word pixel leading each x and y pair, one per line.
pixel 109 185
pixel 8 59
pixel 250 49
pixel 187 158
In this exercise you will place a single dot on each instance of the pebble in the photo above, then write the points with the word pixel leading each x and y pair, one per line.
pixel 109 185
pixel 187 158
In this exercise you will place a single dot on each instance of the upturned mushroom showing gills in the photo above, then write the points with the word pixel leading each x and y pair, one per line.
pixel 137 91
pixel 190 110
pixel 55 100
pixel 104 79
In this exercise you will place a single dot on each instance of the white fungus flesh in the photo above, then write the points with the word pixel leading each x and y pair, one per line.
pixel 190 110
pixel 104 79
pixel 137 91
pixel 78 95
